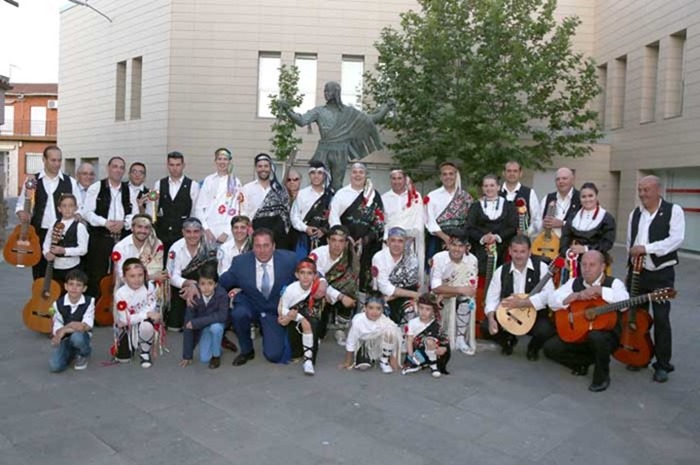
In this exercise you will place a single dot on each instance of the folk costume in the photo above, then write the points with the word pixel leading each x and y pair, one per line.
pixel 447 212
pixel 308 308
pixel 177 199
pixel 220 199
pixel 564 207
pixel 525 198
pixel 311 209
pixel 373 340
pixel 496 216
pixel 422 356
pixel 594 229
pixel 140 334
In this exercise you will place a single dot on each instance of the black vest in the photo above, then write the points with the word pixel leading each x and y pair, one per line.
pixel 531 279
pixel 574 206
pixel 70 236
pixel 522 193
pixel 658 230
pixel 69 317
pixel 104 198
pixel 577 285
pixel 175 210
pixel 64 187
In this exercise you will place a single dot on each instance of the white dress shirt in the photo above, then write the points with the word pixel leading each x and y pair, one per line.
pixel 50 186
pixel 341 201
pixel 539 300
pixel 138 303
pixel 385 264
pixel 173 189
pixel 533 207
pixel 254 193
pixel 394 203
pixel 259 273
pixel 71 256
pixel 584 221
pixel 613 294
pixel 178 258
pixel 324 262
pixel 563 204
pixel 676 235
pixel 215 208
pixel 493 208
pixel 437 202
pixel 116 209
pixel 88 316
pixel 306 198
pixel 443 269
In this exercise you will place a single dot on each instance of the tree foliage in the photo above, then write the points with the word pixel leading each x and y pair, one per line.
pixel 284 141
pixel 485 81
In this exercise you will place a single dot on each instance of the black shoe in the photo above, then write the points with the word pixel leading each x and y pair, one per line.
pixel 599 387
pixel 242 359
pixel 580 370
pixel 214 363
pixel 507 348
pixel 668 368
pixel 229 344
pixel 660 375
pixel 532 354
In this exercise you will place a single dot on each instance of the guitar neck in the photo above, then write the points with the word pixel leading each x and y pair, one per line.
pixel 543 282
pixel 24 229
pixel 633 302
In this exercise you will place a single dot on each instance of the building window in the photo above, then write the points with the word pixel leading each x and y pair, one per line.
pixel 602 97
pixel 306 63
pixel 33 162
pixel 120 109
pixel 136 66
pixel 8 128
pixel 649 79
pixel 619 79
pixel 675 75
pixel 268 81
pixel 38 121
pixel 351 80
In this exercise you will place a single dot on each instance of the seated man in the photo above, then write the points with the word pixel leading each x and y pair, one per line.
pixel 598 345
pixel 395 275
pixel 520 276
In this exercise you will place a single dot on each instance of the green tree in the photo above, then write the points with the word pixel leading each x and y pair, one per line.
pixel 284 141
pixel 485 81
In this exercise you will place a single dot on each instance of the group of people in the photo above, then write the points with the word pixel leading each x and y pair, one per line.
pixel 388 273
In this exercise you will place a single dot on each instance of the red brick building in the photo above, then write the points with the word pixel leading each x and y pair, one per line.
pixel 31 119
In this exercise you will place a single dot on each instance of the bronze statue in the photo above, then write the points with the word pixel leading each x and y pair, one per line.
pixel 346 133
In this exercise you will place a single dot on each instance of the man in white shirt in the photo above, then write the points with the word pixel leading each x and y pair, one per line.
pixel 520 276
pixel 143 244
pixel 86 178
pixel 598 345
pixel 50 183
pixel 565 202
pixel 513 191
pixel 656 231
pixel 310 210
pixel 137 187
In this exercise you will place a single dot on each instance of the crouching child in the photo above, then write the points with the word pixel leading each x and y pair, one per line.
pixel 427 345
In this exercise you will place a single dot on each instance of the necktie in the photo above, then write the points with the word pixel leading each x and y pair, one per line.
pixel 265 287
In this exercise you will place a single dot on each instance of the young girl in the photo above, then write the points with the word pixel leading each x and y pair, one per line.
pixel 135 314
pixel 300 303
pixel 426 343
pixel 372 336
pixel 71 240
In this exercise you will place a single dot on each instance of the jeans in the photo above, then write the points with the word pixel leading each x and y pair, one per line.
pixel 77 343
pixel 210 342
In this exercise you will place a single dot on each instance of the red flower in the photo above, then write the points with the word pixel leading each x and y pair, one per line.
pixel 222 209
pixel 131 311
pixel 379 214
pixel 121 305
pixel 159 248
pixel 171 255
pixel 426 199
pixel 375 271
pixel 313 257
pixel 559 262
pixel 116 256
pixel 520 202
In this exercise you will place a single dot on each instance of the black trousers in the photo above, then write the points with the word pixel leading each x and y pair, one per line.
pixel 596 350
pixel 295 337
pixel 650 281
pixel 543 330
pixel 175 316
pixel 39 270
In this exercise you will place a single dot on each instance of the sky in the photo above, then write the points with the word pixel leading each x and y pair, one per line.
pixel 29 40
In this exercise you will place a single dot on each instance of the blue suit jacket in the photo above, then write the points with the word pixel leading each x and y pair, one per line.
pixel 241 274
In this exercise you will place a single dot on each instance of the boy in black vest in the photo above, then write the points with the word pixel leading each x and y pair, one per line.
pixel 73 318
pixel 597 347
pixel 656 231
pixel 520 276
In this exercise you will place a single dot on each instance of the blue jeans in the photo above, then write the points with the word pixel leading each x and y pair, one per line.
pixel 77 343
pixel 210 342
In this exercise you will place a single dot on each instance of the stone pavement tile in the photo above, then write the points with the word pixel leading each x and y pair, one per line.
pixel 227 436
pixel 11 386
pixel 115 459
pixel 26 404
pixel 640 408
pixel 65 448
pixel 122 436
pixel 531 433
pixel 486 405
pixel 571 405
pixel 12 456
pixel 166 448
pixel 105 407
pixel 192 414
pixel 39 425
pixel 4 442
pixel 276 453
pixel 668 443
pixel 688 421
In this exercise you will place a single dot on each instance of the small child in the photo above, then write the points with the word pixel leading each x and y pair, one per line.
pixel 72 240
pixel 136 314
pixel 300 303
pixel 426 343
pixel 205 320
pixel 372 336
pixel 73 318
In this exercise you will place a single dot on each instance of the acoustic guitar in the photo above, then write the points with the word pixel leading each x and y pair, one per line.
pixel 546 244
pixel 519 321
pixel 45 291
pixel 491 252
pixel 23 247
pixel 104 311
pixel 636 347
pixel 580 317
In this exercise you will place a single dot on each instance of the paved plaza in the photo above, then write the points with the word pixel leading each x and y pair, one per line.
pixel 490 410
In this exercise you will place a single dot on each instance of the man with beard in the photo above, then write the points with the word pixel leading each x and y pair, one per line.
pixel 267 202
pixel 143 244
pixel 310 211
pixel 137 187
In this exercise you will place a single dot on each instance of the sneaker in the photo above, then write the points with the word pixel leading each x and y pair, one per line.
pixel 462 345
pixel 145 360
pixel 340 337
pixel 174 329
pixel 434 371
pixel 386 367
pixel 81 362
pixel 309 368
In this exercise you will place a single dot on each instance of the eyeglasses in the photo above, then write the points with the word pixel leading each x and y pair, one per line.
pixel 293 179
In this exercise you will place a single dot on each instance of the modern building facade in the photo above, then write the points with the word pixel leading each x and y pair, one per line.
pixel 31 119
pixel 194 76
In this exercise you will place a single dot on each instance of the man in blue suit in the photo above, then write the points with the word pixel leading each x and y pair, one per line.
pixel 261 275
